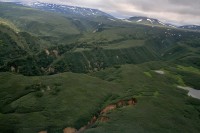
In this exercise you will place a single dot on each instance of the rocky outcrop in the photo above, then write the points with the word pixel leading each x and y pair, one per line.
pixel 109 108
pixel 51 70
pixel 47 52
pixel 12 69
pixel 42 132
pixel 121 103
pixel 69 130
pixel 132 101
pixel 55 53
pixel 52 53
pixel 103 118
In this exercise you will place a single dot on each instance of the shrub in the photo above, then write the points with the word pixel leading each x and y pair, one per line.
pixel 39 94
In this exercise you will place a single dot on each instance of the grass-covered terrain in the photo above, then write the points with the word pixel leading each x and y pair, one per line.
pixel 31 104
pixel 161 107
pixel 112 46
pixel 58 71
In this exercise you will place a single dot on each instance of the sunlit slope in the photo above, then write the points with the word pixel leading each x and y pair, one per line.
pixel 35 21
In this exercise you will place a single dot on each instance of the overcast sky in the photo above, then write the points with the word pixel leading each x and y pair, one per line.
pixel 176 11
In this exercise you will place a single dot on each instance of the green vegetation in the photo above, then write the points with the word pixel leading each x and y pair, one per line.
pixel 161 106
pixel 58 71
pixel 36 103
pixel 148 74
pixel 189 69
pixel 9 24
pixel 54 102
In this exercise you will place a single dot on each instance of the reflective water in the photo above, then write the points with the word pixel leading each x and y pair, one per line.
pixel 192 92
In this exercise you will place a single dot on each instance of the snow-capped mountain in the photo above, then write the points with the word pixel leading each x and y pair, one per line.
pixel 74 11
pixel 191 27
pixel 149 21
pixel 145 20
pixel 68 10
pixel 156 22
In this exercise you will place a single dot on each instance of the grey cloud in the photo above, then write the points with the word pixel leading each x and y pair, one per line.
pixel 176 6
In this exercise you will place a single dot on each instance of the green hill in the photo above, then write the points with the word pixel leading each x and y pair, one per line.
pixel 30 104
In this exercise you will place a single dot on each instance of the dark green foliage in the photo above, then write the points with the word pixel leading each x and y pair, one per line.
pixel 55 90
pixel 101 58
pixel 36 87
pixel 9 49
pixel 191 79
pixel 31 41
pixel 39 94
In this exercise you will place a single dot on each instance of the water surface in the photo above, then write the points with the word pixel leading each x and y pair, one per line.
pixel 192 92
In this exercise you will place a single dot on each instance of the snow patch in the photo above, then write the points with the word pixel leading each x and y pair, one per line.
pixel 160 72
pixel 126 20
pixel 172 26
pixel 140 20
pixel 111 19
pixel 161 23
pixel 150 20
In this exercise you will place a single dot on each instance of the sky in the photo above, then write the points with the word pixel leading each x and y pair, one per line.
pixel 172 11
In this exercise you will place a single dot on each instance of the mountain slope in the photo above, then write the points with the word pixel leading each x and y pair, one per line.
pixel 31 104
pixel 53 103
pixel 11 45
pixel 34 21
pixel 108 44
pixel 68 10
pixel 191 27
pixel 149 21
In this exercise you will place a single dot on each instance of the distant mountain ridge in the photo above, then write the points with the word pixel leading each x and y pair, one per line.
pixel 191 27
pixel 67 10
pixel 81 12
pixel 156 22
pixel 149 21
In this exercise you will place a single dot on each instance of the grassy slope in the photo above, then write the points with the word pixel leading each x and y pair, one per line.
pixel 16 46
pixel 38 22
pixel 68 102
pixel 12 46
pixel 9 24
pixel 132 45
pixel 73 99
pixel 161 106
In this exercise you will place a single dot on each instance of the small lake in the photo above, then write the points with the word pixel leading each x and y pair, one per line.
pixel 192 92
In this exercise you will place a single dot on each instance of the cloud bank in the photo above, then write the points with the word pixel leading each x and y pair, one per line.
pixel 174 11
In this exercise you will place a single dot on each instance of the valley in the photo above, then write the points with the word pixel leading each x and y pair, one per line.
pixel 71 69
